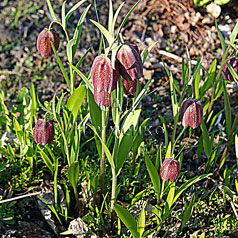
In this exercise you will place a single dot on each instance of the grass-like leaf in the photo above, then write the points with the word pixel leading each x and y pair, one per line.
pixel 51 10
pixel 127 219
pixel 154 176
pixel 73 9
pixel 104 31
pixel 227 107
pixel 127 16
pixel 61 66
pixel 223 43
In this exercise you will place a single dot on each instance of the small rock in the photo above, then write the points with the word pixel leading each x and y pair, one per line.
pixel 214 9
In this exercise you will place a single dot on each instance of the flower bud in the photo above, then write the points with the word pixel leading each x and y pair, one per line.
pixel 44 132
pixel 226 72
pixel 130 64
pixel 43 42
pixel 191 113
pixel 170 169
pixel 129 88
pixel 104 80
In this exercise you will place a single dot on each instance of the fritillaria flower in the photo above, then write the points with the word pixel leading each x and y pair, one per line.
pixel 104 80
pixel 233 61
pixel 43 42
pixel 44 132
pixel 191 113
pixel 130 65
pixel 170 170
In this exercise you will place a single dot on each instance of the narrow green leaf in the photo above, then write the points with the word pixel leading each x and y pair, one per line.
pixel 34 105
pixel 209 80
pixel 47 161
pixel 221 2
pixel 73 173
pixel 59 104
pixel 202 235
pixel 63 15
pixel 18 130
pixel 127 219
pixel 10 151
pixel 188 211
pixel 95 112
pixel 154 176
pixel 170 197
pixel 146 52
pixel 106 150
pixel 61 66
pixel 110 18
pixel 84 78
pixel 223 43
pixel 69 50
pixel 75 100
pixel 206 141
pixel 53 107
pixel 79 63
pixel 51 10
pixel 166 136
pixel 104 31
pixel 140 96
pixel 127 16
pixel 56 180
pixel 78 31
pixel 196 84
pixel 116 15
pixel 169 151
pixel 233 72
pixel 173 95
pixel 227 111
pixel 141 222
pixel 234 34
pixel 139 135
pixel 131 120
pixel 189 183
pixel 124 148
pixel 73 9
pixel 236 146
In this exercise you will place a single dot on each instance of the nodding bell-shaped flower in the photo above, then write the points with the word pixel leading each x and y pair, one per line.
pixel 191 113
pixel 130 65
pixel 104 80
pixel 233 61
pixel 170 169
pixel 43 42
pixel 44 132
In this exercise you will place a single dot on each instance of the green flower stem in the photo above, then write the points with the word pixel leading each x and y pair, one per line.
pixel 77 201
pixel 59 23
pixel 102 160
pixel 71 77
pixel 217 80
pixel 113 197
pixel 115 152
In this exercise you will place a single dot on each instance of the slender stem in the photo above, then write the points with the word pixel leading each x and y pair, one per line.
pixel 134 163
pixel 77 201
pixel 115 155
pixel 113 197
pixel 217 80
pixel 102 161
pixel 71 77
